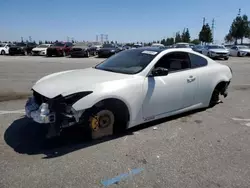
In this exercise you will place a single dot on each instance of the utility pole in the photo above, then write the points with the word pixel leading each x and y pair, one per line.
pixel 213 28
pixel 106 38
pixel 21 39
pixel 239 13
pixel 102 38
pixel 30 39
pixel 96 38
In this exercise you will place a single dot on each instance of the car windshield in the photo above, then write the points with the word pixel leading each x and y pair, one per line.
pixel 215 47
pixel 43 46
pixel 243 47
pixel 58 44
pixel 128 61
pixel 108 46
pixel 20 44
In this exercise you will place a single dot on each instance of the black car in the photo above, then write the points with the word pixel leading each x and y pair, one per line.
pixel 22 48
pixel 108 50
pixel 82 49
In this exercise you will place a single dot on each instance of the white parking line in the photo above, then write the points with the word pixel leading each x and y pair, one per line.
pixel 245 120
pixel 12 112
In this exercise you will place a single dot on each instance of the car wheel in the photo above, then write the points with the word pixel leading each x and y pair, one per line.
pixel 25 53
pixel 2 52
pixel 105 120
pixel 87 55
pixel 238 54
pixel 64 54
pixel 226 58
pixel 208 54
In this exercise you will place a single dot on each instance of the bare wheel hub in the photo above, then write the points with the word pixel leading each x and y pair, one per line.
pixel 102 124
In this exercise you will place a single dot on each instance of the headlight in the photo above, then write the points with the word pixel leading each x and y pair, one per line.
pixel 71 99
pixel 112 50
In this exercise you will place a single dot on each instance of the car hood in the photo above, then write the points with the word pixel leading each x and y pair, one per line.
pixel 71 81
pixel 39 49
pixel 245 50
pixel 219 50
pixel 82 47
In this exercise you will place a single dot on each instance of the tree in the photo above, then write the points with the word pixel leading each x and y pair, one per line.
pixel 163 41
pixel 185 36
pixel 239 29
pixel 178 37
pixel 196 41
pixel 40 42
pixel 205 34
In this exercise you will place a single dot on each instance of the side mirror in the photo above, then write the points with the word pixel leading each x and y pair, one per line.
pixel 159 71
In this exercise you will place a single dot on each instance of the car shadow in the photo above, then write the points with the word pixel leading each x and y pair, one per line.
pixel 28 137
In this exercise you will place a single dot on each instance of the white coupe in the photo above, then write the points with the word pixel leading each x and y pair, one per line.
pixel 216 51
pixel 41 49
pixel 240 51
pixel 132 87
pixel 4 48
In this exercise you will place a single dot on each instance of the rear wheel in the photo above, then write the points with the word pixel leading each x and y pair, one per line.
pixel 238 54
pixel 2 52
pixel 64 54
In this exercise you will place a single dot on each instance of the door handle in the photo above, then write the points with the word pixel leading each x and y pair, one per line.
pixel 191 79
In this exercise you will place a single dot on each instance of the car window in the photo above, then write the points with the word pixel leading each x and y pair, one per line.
pixel 197 61
pixel 234 48
pixel 174 61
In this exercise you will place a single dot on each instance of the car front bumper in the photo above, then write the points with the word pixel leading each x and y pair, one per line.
pixel 38 52
pixel 219 55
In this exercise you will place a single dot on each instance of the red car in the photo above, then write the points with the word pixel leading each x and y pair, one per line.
pixel 59 49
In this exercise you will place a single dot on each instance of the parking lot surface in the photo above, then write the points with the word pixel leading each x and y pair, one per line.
pixel 208 148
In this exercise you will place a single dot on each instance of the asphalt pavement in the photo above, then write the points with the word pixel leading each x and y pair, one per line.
pixel 209 148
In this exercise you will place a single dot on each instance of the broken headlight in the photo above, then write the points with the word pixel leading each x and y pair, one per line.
pixel 71 99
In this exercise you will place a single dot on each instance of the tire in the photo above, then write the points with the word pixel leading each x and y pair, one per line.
pixel 238 54
pixel 2 52
pixel 48 55
pixel 25 53
pixel 104 121
pixel 226 58
pixel 87 55
pixel 214 98
pixel 64 54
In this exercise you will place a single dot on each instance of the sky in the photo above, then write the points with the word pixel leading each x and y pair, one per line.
pixel 121 20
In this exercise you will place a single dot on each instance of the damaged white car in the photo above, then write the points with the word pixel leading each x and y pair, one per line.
pixel 132 87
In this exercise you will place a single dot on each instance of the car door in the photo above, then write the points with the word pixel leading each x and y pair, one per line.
pixel 173 92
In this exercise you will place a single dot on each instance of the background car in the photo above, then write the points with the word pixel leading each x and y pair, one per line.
pixel 108 50
pixel 198 48
pixel 4 48
pixel 157 45
pixel 216 51
pixel 133 87
pixel 239 50
pixel 82 49
pixel 40 49
pixel 22 48
pixel 59 49
pixel 182 45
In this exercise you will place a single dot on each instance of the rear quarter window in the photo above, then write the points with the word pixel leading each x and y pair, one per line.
pixel 197 61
